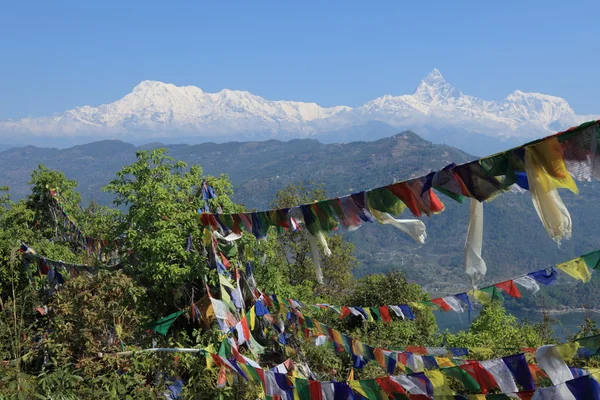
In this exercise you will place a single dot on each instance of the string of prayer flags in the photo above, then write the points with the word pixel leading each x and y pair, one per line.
pixel 541 166
pixel 56 270
pixel 74 234
pixel 577 268
pixel 478 378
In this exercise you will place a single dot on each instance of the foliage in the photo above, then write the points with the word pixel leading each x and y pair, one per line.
pixel 500 333
pixel 163 199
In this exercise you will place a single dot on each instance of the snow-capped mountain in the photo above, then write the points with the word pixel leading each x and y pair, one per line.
pixel 438 104
pixel 160 110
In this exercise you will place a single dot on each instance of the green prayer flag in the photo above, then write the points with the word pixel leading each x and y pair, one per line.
pixel 457 197
pixel 301 386
pixel 375 311
pixel 162 325
pixel 385 201
pixel 494 293
pixel 229 249
pixel 371 389
pixel 467 380
pixel 591 344
pixel 592 259
pixel 255 346
pixel 254 377
pixel 225 349
pixel 326 215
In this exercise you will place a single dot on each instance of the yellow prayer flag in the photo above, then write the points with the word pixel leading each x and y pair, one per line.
pixel 481 296
pixel 548 160
pixel 417 306
pixel 477 397
pixel 567 351
pixel 440 384
pixel 355 385
pixel 248 253
pixel 252 318
pixel 369 315
pixel 225 282
pixel 357 348
pixel 351 375
pixel 206 237
pixel 577 268
pixel 444 362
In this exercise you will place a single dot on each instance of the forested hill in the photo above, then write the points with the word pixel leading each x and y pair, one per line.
pixel 256 169
pixel 514 239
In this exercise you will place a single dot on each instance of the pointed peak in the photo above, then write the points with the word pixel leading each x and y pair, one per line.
pixel 434 77
pixel 434 88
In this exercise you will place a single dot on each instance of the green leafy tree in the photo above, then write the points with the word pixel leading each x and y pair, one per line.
pixel 391 289
pixel 500 333
pixel 163 197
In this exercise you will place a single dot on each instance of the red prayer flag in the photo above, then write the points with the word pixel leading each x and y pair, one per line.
pixel 525 395
pixel 481 375
pixel 315 390
pixel 384 311
pixel 401 191
pixel 344 312
pixel 530 350
pixel 390 386
pixel 222 379
pixel 236 224
pixel 441 303
pixel 217 360
pixel 245 328
pixel 510 288
pixel 266 300
pixel 237 356
pixel 462 185
pixel 537 372
pixel 435 204
pixel 44 268
pixel 226 262
pixel 416 349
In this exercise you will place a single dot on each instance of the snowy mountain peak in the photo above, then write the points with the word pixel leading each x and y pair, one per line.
pixel 162 110
pixel 434 78
pixel 435 89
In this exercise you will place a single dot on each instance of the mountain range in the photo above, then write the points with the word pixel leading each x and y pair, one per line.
pixel 156 111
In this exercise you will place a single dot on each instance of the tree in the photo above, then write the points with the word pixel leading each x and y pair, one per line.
pixel 40 201
pixel 391 289
pixel 500 333
pixel 161 231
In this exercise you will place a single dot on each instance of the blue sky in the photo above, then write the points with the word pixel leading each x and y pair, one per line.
pixel 57 55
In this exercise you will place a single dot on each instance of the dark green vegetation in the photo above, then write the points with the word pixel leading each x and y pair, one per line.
pixel 514 239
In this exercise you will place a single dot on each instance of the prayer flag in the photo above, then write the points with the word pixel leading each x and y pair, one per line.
pixel 576 268
pixel 162 325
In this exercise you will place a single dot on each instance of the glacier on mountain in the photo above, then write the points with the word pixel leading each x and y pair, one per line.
pixel 159 110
